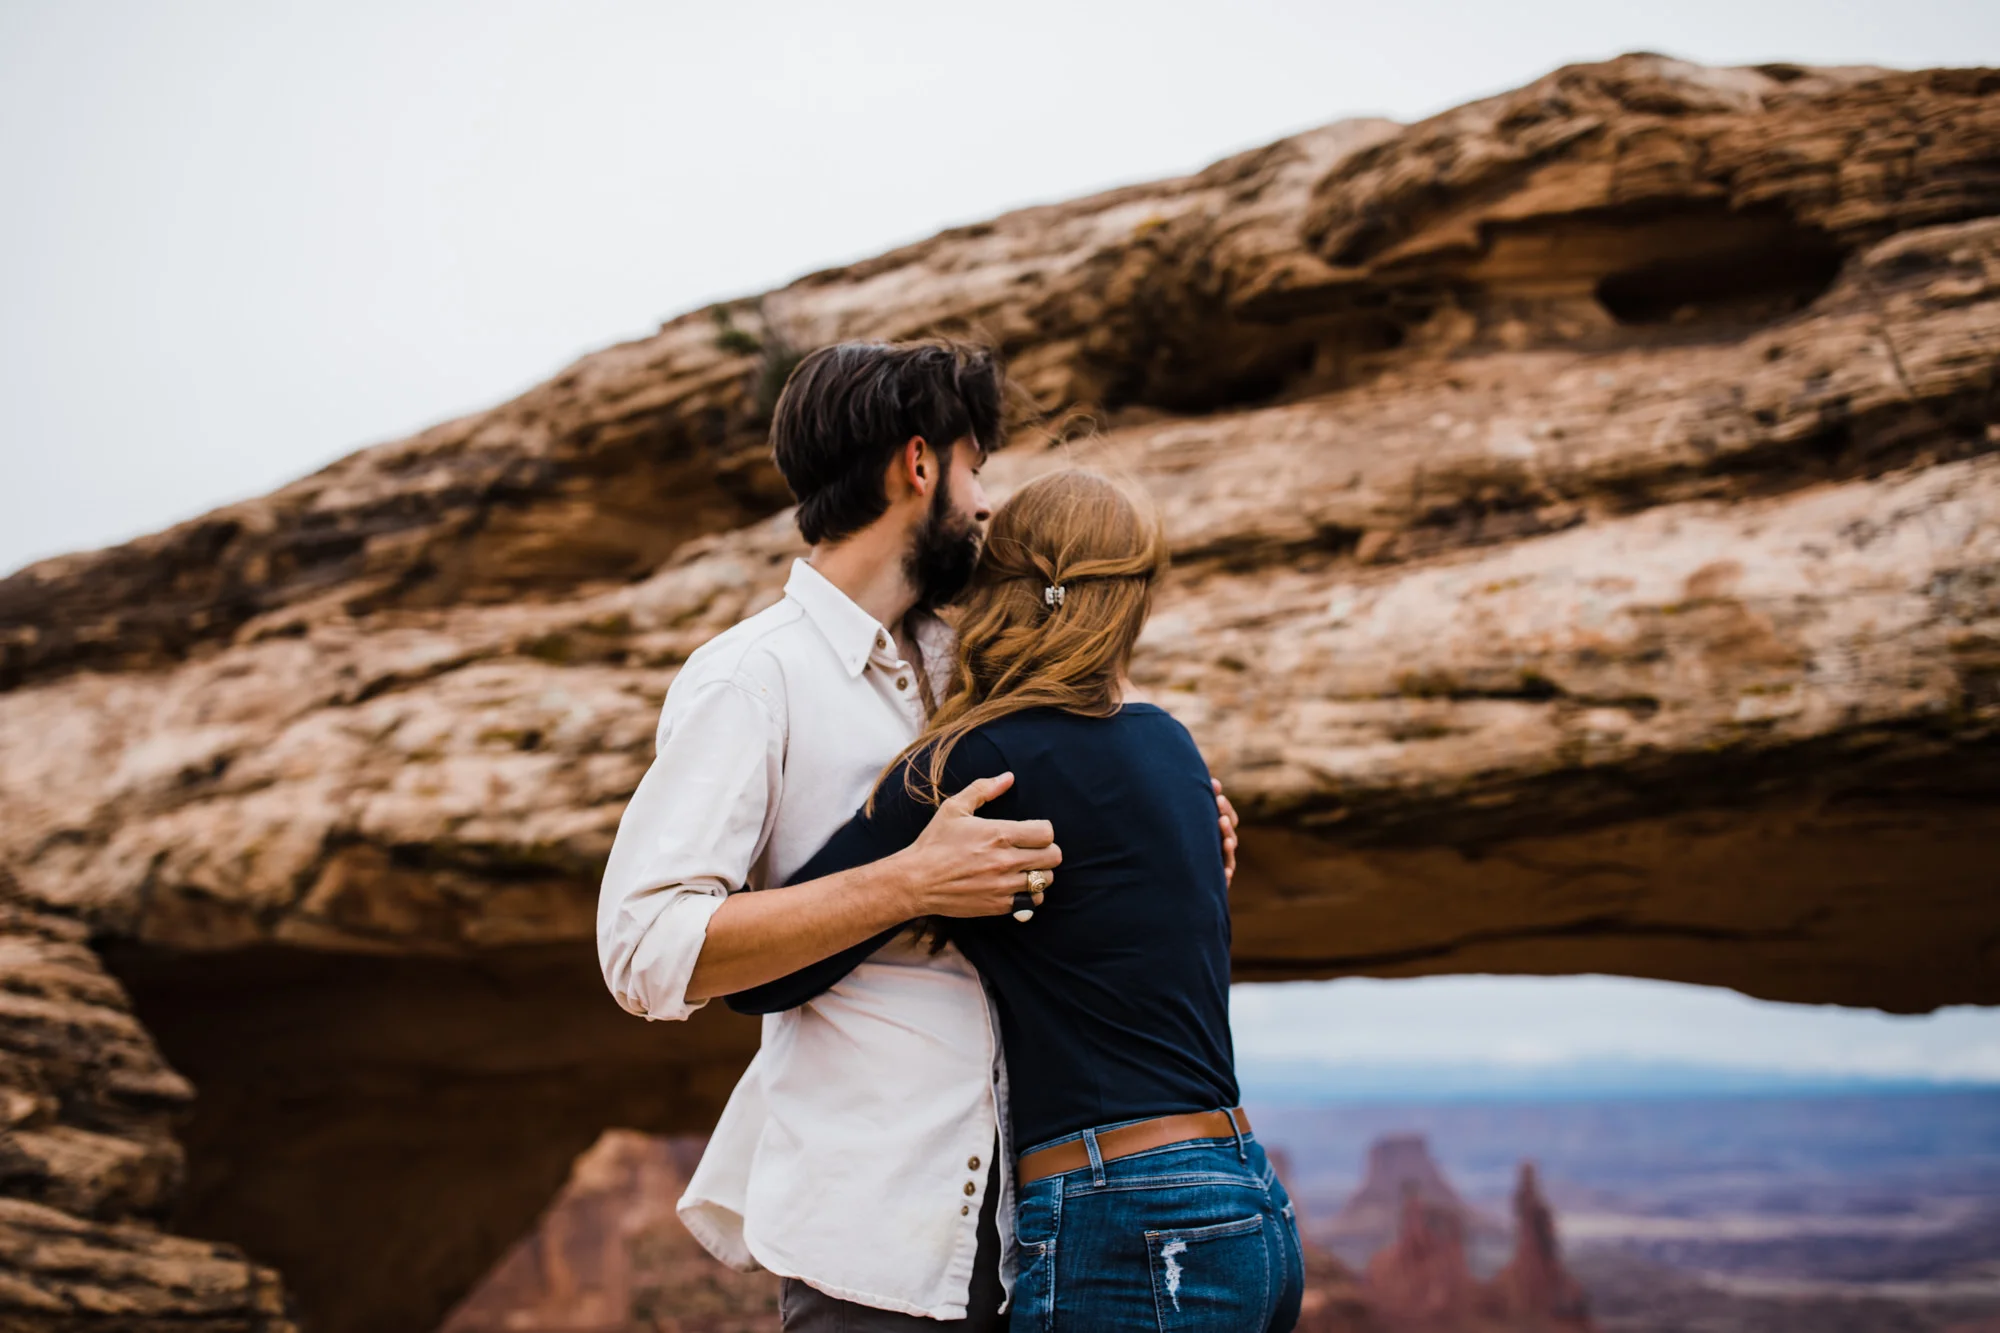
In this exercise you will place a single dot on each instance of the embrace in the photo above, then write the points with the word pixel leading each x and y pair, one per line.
pixel 979 896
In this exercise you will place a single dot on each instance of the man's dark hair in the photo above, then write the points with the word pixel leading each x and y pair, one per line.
pixel 849 409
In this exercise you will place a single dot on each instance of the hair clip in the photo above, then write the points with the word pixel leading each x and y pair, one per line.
pixel 1053 595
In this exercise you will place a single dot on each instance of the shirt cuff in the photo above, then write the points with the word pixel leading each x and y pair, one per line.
pixel 663 964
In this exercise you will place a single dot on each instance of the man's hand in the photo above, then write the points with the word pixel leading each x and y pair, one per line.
pixel 962 865
pixel 1226 814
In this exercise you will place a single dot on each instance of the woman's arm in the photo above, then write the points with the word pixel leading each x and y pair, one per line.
pixel 897 820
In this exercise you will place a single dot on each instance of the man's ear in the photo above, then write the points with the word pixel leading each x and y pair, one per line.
pixel 917 466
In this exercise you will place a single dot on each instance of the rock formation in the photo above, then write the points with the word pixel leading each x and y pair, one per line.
pixel 87 1160
pixel 1401 1170
pixel 1534 1290
pixel 1422 1281
pixel 1586 515
pixel 610 1256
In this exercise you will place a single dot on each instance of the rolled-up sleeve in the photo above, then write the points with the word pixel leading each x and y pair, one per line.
pixel 687 840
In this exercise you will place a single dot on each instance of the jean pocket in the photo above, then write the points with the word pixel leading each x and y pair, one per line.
pixel 1032 1303
pixel 1212 1279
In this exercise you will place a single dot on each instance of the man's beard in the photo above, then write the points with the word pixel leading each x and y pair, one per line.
pixel 943 553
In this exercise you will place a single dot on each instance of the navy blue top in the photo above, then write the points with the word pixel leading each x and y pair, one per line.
pixel 1114 999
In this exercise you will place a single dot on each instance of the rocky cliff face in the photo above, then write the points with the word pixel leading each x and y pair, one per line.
pixel 1585 518
pixel 88 1164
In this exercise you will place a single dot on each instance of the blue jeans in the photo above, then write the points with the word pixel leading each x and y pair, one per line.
pixel 1193 1236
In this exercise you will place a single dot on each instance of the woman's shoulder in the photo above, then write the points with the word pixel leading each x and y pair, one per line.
pixel 1036 728
pixel 1040 720
pixel 1049 715
pixel 1013 738
pixel 1156 726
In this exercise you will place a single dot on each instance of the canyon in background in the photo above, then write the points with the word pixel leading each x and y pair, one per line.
pixel 1857 1212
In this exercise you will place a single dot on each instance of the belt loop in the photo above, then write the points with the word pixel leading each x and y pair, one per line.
pixel 1096 1157
pixel 1237 1129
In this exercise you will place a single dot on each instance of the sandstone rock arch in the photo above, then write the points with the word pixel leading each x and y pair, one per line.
pixel 1586 513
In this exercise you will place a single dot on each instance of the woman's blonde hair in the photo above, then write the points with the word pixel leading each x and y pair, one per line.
pixel 1062 589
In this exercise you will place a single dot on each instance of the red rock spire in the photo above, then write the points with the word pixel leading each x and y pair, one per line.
pixel 1534 1290
pixel 1422 1276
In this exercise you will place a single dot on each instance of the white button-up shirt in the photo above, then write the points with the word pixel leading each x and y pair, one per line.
pixel 853 1153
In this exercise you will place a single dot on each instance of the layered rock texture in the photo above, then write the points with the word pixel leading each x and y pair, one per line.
pixel 1586 513
pixel 88 1163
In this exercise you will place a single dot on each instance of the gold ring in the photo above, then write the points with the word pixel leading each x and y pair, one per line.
pixel 1038 880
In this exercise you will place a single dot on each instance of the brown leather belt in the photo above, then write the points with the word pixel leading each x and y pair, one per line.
pixel 1144 1136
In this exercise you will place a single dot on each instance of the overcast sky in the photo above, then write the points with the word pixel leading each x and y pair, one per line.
pixel 244 238
pixel 1526 1024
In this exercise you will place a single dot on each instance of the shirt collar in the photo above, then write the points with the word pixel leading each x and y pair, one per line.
pixel 854 634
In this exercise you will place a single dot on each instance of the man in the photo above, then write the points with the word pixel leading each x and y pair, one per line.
pixel 860 1156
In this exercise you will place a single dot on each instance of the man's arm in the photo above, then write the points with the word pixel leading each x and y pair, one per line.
pixel 959 865
pixel 688 839
pixel 809 982
pixel 863 840
pixel 889 825
pixel 896 819
pixel 672 928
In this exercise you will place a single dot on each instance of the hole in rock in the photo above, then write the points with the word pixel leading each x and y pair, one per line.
pixel 1209 374
pixel 382 1129
pixel 1687 1102
pixel 1707 266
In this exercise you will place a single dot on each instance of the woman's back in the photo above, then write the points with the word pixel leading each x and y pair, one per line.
pixel 1114 999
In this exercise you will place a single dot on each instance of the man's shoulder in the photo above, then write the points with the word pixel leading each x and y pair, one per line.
pixel 752 654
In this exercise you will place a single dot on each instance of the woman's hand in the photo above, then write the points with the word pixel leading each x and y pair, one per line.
pixel 1226 817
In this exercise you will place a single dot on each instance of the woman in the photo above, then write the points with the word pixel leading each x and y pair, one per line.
pixel 1142 1200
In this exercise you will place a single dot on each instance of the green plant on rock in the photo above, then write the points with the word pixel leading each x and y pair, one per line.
pixel 729 338
pixel 777 356
pixel 780 359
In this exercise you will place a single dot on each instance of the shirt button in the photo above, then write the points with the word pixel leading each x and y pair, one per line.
pixel 902 682
pixel 972 1163
pixel 965 1210
pixel 971 1188
pixel 881 641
